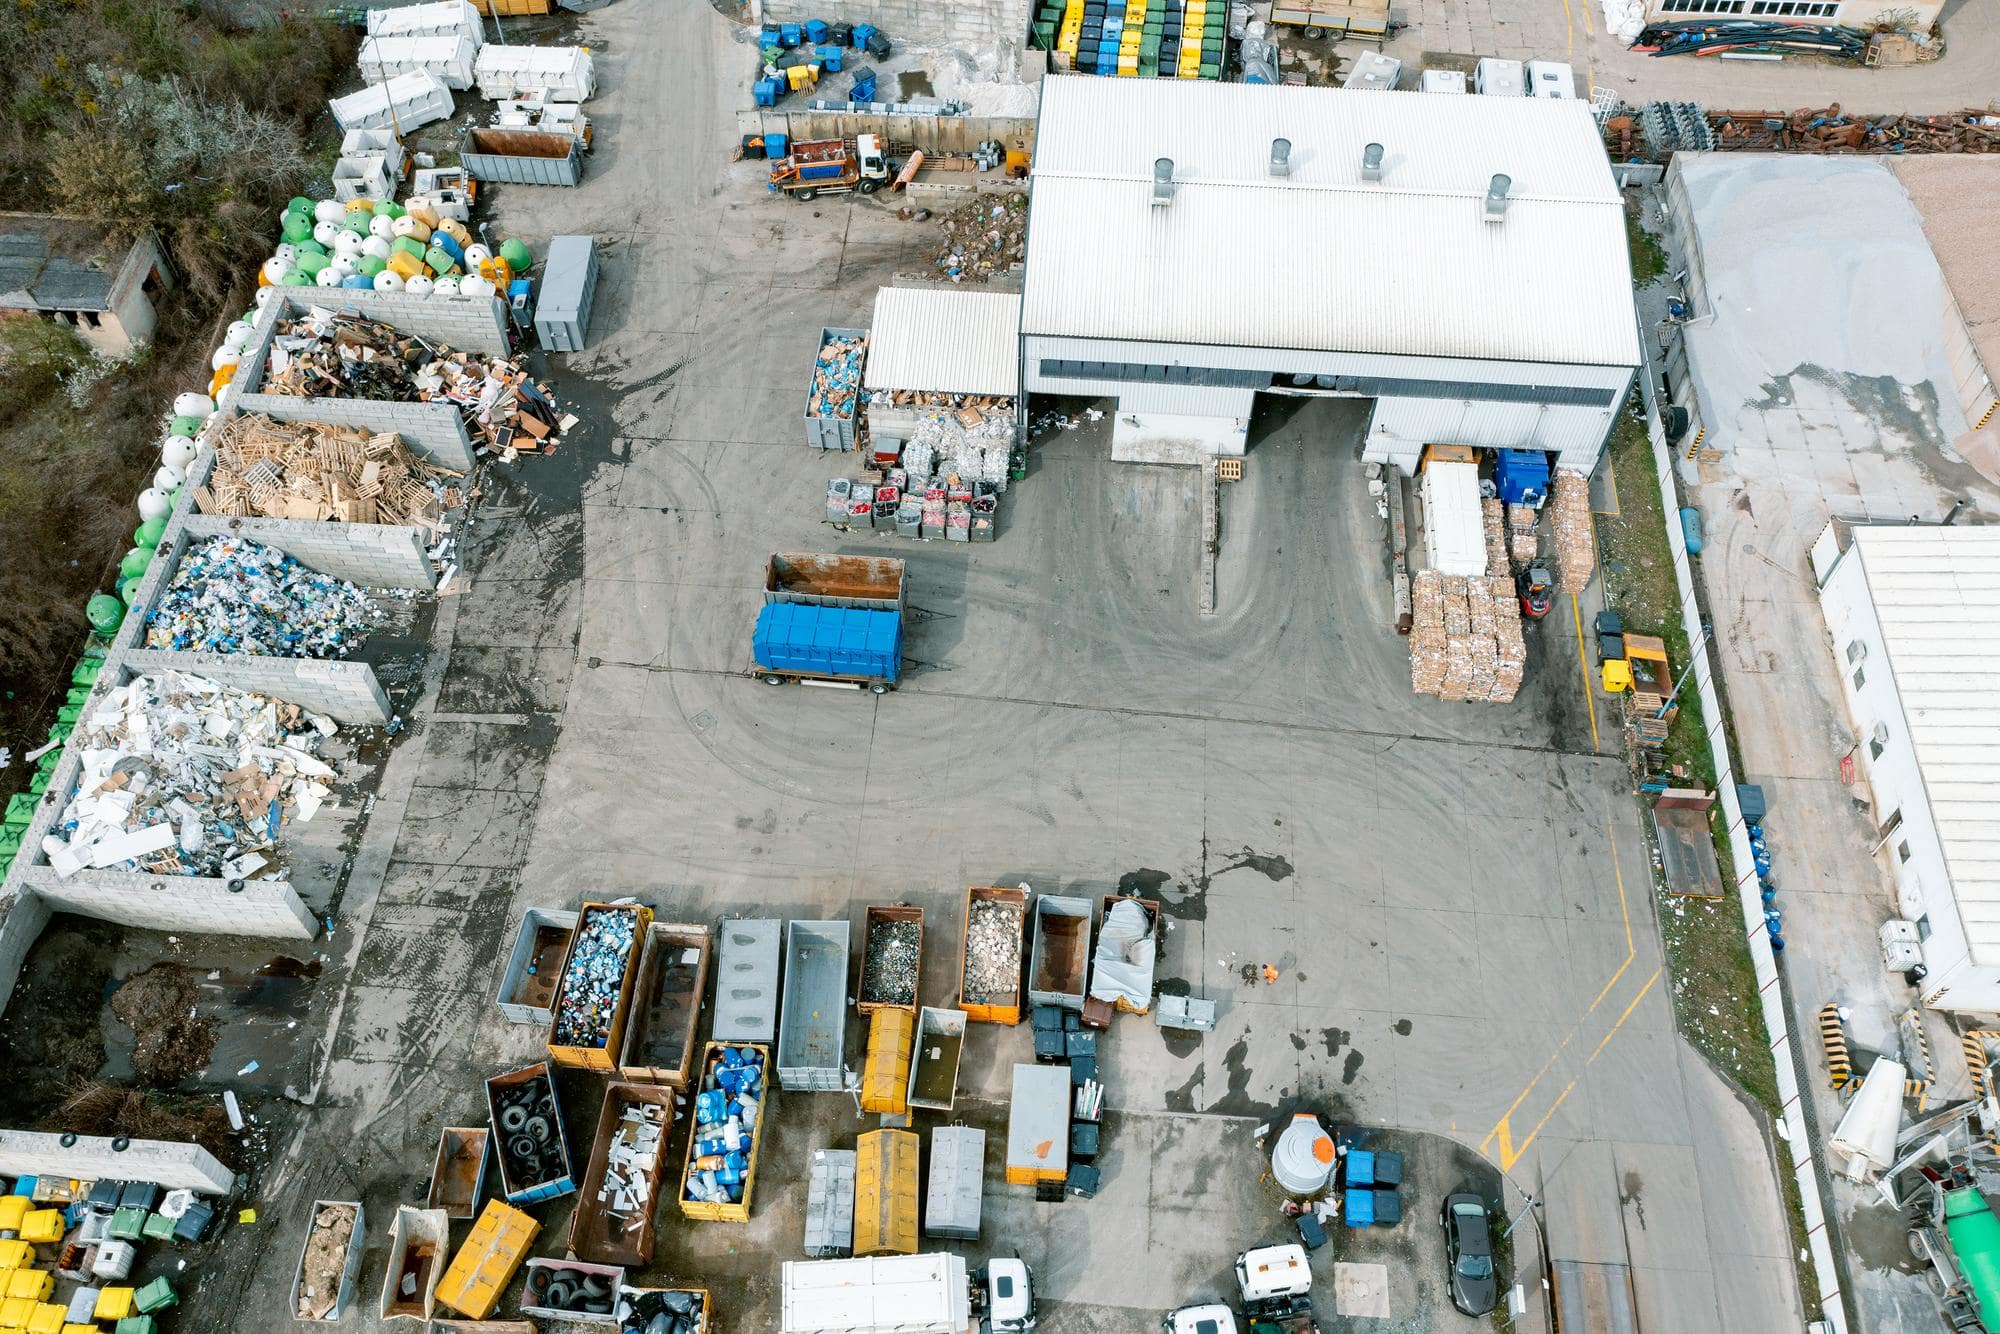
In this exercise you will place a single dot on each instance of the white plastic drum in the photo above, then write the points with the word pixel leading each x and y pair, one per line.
pixel 329 210
pixel 324 232
pixel 263 295
pixel 382 225
pixel 476 254
pixel 1303 1159
pixel 166 479
pixel 474 285
pixel 225 357
pixel 275 269
pixel 327 277
pixel 445 287
pixel 347 243
pixel 375 247
pixel 237 335
pixel 178 452
pixel 154 504
pixel 193 405
pixel 388 280
pixel 419 286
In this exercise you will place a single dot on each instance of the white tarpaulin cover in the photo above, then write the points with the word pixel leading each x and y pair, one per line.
pixel 417 99
pixel 1122 969
pixel 510 71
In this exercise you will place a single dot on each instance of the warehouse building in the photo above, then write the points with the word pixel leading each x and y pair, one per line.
pixel 1914 616
pixel 1461 261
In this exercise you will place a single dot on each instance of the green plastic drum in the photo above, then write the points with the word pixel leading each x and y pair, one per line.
pixel 128 589
pixel 356 222
pixel 103 612
pixel 298 227
pixel 186 426
pixel 368 266
pixel 310 264
pixel 408 246
pixel 439 261
pixel 135 561
pixel 311 247
pixel 299 204
pixel 388 208
pixel 517 256
pixel 149 533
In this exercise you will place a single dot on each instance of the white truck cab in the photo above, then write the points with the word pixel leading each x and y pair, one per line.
pixel 1210 1318
pixel 868 157
pixel 1272 1272
pixel 1010 1296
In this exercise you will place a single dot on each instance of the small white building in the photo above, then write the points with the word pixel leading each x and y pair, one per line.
pixel 1460 261
pixel 1918 15
pixel 1914 615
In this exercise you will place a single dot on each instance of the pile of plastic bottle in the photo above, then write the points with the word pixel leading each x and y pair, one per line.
pixel 232 595
pixel 725 1126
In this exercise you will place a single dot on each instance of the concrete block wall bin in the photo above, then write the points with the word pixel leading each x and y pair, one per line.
pixel 92 1158
pixel 23 914
pixel 173 545
pixel 201 905
pixel 346 692
pixel 374 555
pixel 468 324
pixel 433 431
pixel 961 23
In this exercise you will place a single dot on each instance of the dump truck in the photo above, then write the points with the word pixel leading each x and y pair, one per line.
pixel 812 1028
pixel 732 1108
pixel 418 1240
pixel 831 621
pixel 887 930
pixel 885 1192
pixel 885 1076
pixel 831 166
pixel 1061 955
pixel 906 1294
pixel 1038 1126
pixel 485 1264
pixel 989 959
pixel 940 1039
pixel 662 1031
pixel 613 1220
pixel 588 1027
pixel 532 1147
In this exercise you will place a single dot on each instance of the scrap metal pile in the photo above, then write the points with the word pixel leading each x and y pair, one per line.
pixel 1831 130
pixel 1756 36
pixel 836 384
pixel 992 949
pixel 889 967
pixel 594 979
pixel 627 1192
pixel 232 595
pixel 182 776
pixel 306 470
pixel 983 238
pixel 322 354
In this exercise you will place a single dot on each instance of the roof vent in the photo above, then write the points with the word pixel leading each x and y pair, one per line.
pixel 1163 181
pixel 1371 163
pixel 1281 157
pixel 1496 197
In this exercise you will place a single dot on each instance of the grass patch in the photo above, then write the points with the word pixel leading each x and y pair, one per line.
pixel 1714 985
pixel 1649 257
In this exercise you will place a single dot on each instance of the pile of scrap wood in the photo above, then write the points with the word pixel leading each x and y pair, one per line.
pixel 934 398
pixel 1465 638
pixel 1831 130
pixel 1575 535
pixel 307 470
pixel 324 355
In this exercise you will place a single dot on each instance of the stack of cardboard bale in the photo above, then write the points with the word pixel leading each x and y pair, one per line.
pixel 1576 539
pixel 1465 633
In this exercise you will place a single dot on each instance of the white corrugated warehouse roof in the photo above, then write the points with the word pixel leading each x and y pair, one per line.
pixel 1936 593
pixel 1322 259
pixel 946 338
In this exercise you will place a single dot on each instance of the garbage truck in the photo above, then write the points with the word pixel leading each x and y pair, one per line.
pixel 907 1294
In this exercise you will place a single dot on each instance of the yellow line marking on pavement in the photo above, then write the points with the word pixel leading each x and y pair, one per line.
pixel 1627 1014
pixel 1624 912
pixel 1569 26
pixel 1583 665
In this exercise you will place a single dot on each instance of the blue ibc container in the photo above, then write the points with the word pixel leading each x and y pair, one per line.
pixel 830 58
pixel 815 31
pixel 1360 1167
pixel 789 35
pixel 1359 1208
pixel 777 145
pixel 862 32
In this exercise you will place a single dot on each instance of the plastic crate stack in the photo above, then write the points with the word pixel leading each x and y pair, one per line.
pixel 1136 38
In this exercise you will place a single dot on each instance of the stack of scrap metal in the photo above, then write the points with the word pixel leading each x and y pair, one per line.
pixel 628 1166
pixel 1465 638
pixel 1753 36
pixel 182 776
pixel 1575 535
pixel 1831 130
pixel 306 470
pixel 325 355
pixel 836 386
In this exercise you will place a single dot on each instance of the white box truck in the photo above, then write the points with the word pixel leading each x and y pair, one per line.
pixel 906 1294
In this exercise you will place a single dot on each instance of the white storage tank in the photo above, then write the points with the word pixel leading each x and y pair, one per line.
pixel 1302 1161
pixel 1500 78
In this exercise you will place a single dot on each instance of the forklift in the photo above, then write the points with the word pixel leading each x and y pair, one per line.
pixel 1535 586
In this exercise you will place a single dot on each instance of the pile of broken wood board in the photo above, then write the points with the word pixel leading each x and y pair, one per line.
pixel 1465 638
pixel 308 470
pixel 1575 531
pixel 936 398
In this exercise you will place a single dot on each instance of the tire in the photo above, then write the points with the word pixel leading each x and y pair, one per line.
pixel 773 679
pixel 805 195
pixel 514 1118
pixel 559 1295
pixel 879 688
pixel 868 187
pixel 538 1129
pixel 1312 32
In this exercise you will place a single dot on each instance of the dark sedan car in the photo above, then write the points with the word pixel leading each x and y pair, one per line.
pixel 1468 1249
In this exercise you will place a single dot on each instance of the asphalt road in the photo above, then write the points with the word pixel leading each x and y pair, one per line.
pixel 1456 898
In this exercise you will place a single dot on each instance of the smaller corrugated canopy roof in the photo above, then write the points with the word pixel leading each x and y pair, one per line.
pixel 946 339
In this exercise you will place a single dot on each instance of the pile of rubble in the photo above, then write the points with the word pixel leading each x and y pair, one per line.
pixel 983 238
pixel 322 354
pixel 1575 532
pixel 325 1264
pixel 1465 638
pixel 836 386
pixel 627 1192
pixel 889 963
pixel 183 776
pixel 232 595
pixel 306 470
pixel 992 949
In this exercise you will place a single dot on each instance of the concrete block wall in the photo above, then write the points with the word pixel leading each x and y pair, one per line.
pixel 372 555
pixel 91 1158
pixel 265 909
pixel 346 692
pixel 435 432
pixel 949 23
pixel 23 914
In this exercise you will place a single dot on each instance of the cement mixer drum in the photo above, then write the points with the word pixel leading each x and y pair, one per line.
pixel 1303 1158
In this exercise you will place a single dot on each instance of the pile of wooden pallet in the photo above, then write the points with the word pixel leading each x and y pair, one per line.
pixel 1575 534
pixel 1465 638
pixel 306 470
